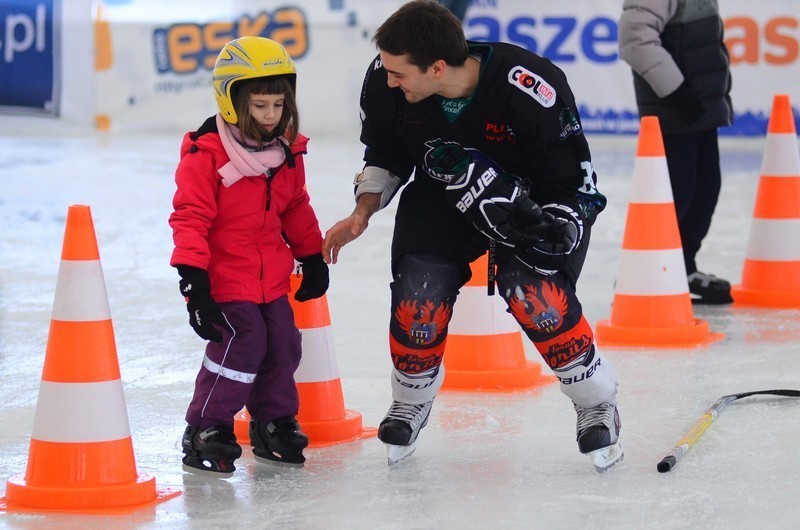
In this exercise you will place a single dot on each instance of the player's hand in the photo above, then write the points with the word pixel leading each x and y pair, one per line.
pixel 547 251
pixel 341 234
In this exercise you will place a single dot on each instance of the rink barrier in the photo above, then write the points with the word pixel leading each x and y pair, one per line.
pixel 81 453
pixel 771 272
pixel 485 350
pixel 652 305
pixel 322 415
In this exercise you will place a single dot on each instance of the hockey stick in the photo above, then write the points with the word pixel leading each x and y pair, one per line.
pixel 671 460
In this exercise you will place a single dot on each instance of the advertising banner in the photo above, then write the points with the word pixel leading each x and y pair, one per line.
pixel 146 65
pixel 46 65
pixel 580 36
pixel 30 61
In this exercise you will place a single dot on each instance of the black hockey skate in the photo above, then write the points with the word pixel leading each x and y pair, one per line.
pixel 400 428
pixel 598 435
pixel 210 452
pixel 708 289
pixel 279 441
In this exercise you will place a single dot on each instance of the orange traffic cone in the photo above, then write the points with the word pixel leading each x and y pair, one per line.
pixel 484 349
pixel 322 415
pixel 652 305
pixel 81 455
pixel 771 275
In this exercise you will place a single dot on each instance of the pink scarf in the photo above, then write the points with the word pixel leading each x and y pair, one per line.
pixel 245 163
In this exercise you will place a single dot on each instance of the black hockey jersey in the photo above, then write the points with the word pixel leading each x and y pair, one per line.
pixel 522 115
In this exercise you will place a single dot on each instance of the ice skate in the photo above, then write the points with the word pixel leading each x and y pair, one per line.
pixel 708 289
pixel 400 428
pixel 598 435
pixel 279 441
pixel 210 452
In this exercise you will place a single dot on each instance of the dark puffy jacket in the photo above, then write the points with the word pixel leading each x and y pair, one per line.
pixel 667 41
pixel 246 236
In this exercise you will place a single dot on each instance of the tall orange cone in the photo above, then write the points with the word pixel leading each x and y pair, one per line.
pixel 652 305
pixel 771 274
pixel 81 454
pixel 322 415
pixel 484 349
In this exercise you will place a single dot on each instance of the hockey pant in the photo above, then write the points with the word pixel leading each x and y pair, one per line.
pixel 253 366
pixel 424 290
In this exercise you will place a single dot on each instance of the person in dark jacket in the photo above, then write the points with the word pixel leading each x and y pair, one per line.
pixel 681 74
pixel 241 218
pixel 492 135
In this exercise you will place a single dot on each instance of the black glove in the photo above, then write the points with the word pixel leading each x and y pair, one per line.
pixel 547 251
pixel 203 310
pixel 686 102
pixel 315 278
pixel 496 203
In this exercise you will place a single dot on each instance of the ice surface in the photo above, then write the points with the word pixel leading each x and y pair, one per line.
pixel 484 460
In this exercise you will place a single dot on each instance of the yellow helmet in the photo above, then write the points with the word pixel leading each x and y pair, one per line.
pixel 248 58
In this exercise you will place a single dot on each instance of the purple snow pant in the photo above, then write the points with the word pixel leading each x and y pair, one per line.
pixel 254 365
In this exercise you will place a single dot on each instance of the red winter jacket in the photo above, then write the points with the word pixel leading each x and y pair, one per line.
pixel 245 236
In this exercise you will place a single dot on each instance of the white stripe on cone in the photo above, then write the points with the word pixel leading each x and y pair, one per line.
pixel 478 314
pixel 80 292
pixel 652 273
pixel 81 412
pixel 651 184
pixel 774 240
pixel 781 156
pixel 318 363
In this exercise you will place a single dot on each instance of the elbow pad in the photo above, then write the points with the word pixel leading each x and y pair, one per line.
pixel 375 179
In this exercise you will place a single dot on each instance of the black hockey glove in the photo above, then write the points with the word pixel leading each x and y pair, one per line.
pixel 686 102
pixel 203 310
pixel 548 251
pixel 315 278
pixel 496 203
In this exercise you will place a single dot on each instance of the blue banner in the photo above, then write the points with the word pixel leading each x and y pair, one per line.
pixel 29 57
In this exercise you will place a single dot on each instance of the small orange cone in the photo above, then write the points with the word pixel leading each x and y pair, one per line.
pixel 771 274
pixel 322 415
pixel 484 349
pixel 81 454
pixel 652 305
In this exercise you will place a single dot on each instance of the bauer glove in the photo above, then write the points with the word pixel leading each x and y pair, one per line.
pixel 203 310
pixel 315 278
pixel 547 251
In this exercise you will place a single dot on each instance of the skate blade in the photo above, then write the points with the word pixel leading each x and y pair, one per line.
pixel 206 472
pixel 398 453
pixel 275 461
pixel 607 457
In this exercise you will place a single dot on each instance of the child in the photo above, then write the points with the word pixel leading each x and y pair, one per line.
pixel 242 216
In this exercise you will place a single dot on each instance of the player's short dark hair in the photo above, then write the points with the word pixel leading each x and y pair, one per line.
pixel 426 32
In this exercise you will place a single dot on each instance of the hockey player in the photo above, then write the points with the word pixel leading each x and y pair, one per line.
pixel 492 136
pixel 242 216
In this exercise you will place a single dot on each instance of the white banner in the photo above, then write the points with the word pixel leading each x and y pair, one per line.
pixel 154 58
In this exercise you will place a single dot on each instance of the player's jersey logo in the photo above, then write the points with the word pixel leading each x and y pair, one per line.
pixel 569 124
pixel 423 323
pixel 533 85
pixel 441 151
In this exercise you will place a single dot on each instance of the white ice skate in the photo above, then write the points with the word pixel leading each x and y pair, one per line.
pixel 598 435
pixel 400 428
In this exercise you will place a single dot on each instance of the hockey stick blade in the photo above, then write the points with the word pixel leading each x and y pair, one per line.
pixel 708 417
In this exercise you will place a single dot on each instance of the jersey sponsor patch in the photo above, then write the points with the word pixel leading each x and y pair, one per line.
pixel 533 85
pixel 569 124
